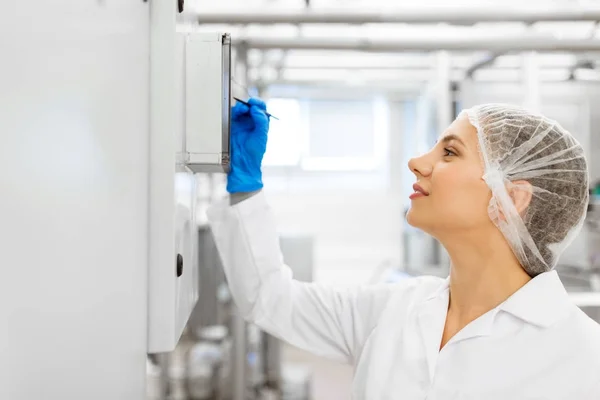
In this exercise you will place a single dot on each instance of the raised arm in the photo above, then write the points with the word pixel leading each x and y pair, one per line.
pixel 320 319
pixel 323 320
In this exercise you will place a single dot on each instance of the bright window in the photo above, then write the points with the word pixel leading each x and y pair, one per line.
pixel 327 135
pixel 284 146
pixel 345 135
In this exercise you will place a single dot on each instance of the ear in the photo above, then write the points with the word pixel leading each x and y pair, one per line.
pixel 521 193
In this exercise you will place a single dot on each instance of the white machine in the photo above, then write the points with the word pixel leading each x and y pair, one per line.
pixel 199 143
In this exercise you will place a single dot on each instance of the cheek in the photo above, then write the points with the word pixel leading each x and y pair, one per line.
pixel 461 193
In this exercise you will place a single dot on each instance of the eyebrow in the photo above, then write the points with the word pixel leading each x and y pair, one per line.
pixel 451 137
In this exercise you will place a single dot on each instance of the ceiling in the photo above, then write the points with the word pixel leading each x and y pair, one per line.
pixel 366 65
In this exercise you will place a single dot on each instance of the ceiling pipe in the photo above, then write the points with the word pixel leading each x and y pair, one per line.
pixel 468 69
pixel 484 62
pixel 450 15
pixel 390 83
pixel 583 63
pixel 494 45
pixel 344 84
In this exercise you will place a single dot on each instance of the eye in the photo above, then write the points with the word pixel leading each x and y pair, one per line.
pixel 448 152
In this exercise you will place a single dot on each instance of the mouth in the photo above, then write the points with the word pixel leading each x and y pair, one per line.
pixel 418 192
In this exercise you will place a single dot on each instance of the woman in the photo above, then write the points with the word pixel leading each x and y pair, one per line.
pixel 504 191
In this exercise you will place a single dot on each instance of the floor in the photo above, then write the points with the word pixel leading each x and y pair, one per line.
pixel 329 380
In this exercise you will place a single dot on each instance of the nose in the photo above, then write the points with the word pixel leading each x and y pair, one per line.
pixel 420 166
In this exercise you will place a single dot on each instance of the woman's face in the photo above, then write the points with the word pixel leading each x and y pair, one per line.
pixel 451 194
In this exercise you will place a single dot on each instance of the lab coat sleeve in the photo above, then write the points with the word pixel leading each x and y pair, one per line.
pixel 320 319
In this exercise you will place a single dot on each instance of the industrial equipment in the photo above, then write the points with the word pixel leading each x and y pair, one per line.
pixel 197 141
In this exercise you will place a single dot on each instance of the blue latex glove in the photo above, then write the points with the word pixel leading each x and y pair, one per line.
pixel 249 128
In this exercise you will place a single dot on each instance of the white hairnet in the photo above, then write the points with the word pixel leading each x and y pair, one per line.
pixel 517 145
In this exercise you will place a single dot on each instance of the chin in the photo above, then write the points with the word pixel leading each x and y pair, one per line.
pixel 412 219
pixel 420 221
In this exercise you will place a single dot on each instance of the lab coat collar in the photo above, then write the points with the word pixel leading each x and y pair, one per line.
pixel 482 326
pixel 440 291
pixel 542 301
pixel 431 320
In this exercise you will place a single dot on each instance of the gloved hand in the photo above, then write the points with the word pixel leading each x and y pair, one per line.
pixel 249 128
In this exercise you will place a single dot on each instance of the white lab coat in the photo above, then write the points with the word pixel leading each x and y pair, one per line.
pixel 536 345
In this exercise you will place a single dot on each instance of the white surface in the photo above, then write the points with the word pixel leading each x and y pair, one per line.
pixel 172 190
pixel 74 175
pixel 535 344
pixel 206 98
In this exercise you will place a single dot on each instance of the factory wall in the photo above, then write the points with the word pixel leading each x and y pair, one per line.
pixel 355 218
pixel 354 231
pixel 74 85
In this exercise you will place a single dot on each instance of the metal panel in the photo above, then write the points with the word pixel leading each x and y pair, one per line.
pixel 207 101
pixel 74 113
pixel 173 266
